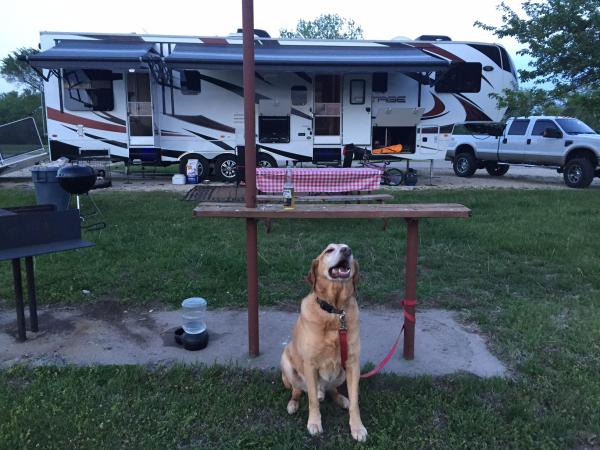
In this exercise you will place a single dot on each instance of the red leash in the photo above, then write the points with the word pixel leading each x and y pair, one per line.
pixel 409 317
pixel 343 334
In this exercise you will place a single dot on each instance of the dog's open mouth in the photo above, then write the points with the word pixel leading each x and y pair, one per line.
pixel 341 270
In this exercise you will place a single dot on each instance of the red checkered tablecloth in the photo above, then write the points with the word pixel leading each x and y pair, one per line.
pixel 319 180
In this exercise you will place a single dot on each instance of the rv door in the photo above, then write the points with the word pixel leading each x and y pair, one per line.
pixel 139 109
pixel 356 112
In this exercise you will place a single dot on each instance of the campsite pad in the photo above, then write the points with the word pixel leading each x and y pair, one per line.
pixel 219 194
pixel 104 333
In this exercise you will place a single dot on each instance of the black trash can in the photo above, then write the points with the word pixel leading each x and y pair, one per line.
pixel 47 189
pixel 410 179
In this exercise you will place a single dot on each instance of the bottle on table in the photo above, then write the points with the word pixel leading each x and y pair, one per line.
pixel 289 199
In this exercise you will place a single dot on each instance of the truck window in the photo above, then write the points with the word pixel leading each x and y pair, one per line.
pixel 88 90
pixel 518 127
pixel 574 126
pixel 541 125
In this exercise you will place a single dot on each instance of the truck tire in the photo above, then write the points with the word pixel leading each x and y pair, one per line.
pixel 578 173
pixel 496 170
pixel 226 167
pixel 464 164
pixel 202 165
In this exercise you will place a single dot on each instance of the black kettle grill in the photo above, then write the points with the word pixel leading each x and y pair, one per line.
pixel 79 179
pixel 76 179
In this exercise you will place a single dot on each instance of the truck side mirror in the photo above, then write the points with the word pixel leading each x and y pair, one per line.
pixel 552 133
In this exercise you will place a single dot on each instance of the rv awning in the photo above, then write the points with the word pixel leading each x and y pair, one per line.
pixel 94 54
pixel 397 58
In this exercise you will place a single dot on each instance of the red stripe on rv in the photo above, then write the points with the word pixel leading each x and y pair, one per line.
pixel 55 114
pixel 439 51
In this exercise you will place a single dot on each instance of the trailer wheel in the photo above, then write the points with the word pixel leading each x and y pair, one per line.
pixel 579 173
pixel 202 165
pixel 264 160
pixel 497 170
pixel 226 167
pixel 464 164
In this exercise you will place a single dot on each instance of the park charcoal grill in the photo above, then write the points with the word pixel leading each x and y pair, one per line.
pixel 76 179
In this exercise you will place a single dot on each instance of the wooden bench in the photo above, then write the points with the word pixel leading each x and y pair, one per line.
pixel 331 198
pixel 412 213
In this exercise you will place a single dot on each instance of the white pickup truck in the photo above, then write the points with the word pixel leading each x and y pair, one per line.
pixel 564 143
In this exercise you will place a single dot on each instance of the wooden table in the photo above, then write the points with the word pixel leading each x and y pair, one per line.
pixel 410 212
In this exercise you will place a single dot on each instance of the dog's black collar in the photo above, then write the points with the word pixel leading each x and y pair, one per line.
pixel 328 307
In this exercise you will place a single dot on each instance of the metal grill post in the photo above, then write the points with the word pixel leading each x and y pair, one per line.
pixel 410 286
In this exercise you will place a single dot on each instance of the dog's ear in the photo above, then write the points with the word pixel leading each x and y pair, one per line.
pixel 311 278
pixel 356 275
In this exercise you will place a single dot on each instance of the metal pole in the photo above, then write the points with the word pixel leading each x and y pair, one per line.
pixel 33 318
pixel 250 169
pixel 16 266
pixel 410 287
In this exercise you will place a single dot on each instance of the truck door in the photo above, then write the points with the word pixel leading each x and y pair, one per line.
pixel 356 110
pixel 512 144
pixel 544 146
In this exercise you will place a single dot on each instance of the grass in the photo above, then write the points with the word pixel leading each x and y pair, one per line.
pixel 524 268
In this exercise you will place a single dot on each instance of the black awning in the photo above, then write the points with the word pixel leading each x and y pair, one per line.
pixel 94 54
pixel 346 58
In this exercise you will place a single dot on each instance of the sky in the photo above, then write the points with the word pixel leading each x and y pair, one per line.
pixel 380 19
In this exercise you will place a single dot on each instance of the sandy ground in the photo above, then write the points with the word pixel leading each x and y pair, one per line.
pixel 105 333
pixel 443 178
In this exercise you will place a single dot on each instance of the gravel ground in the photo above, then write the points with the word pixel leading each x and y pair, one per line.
pixel 443 178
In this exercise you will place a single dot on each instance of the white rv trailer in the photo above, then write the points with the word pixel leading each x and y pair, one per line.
pixel 165 99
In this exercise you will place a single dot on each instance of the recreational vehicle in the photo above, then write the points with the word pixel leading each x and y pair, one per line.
pixel 167 99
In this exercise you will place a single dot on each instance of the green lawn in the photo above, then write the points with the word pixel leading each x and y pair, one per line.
pixel 525 268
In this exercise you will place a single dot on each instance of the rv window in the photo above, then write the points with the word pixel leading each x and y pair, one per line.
pixel 380 81
pixel 461 77
pixel 357 92
pixel 299 95
pixel 190 82
pixel 274 129
pixel 88 90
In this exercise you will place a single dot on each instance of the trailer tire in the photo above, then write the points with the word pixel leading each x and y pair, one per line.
pixel 226 167
pixel 496 170
pixel 202 165
pixel 578 173
pixel 464 164
pixel 264 160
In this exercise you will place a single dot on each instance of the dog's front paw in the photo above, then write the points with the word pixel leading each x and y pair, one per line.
pixel 359 433
pixel 315 428
pixel 292 406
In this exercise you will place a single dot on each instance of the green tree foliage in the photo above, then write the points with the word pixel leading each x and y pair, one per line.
pixel 20 72
pixel 17 105
pixel 562 38
pixel 326 26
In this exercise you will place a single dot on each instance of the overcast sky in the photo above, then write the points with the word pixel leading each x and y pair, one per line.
pixel 380 19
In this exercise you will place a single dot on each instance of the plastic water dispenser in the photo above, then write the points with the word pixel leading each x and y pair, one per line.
pixel 193 334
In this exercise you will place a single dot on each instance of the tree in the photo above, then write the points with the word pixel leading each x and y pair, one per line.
pixel 562 37
pixel 20 72
pixel 17 105
pixel 326 26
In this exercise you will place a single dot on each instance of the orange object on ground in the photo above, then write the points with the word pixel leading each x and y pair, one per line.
pixel 389 149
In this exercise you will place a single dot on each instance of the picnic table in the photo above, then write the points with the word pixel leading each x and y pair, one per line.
pixel 412 213
pixel 328 179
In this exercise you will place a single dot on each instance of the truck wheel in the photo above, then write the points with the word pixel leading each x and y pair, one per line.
pixel 226 167
pixel 497 170
pixel 464 165
pixel 202 165
pixel 578 173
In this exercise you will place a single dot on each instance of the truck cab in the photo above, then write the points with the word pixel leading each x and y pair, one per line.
pixel 564 143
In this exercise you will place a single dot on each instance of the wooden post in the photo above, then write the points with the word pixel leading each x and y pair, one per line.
pixel 410 287
pixel 250 163
pixel 33 317
pixel 16 266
